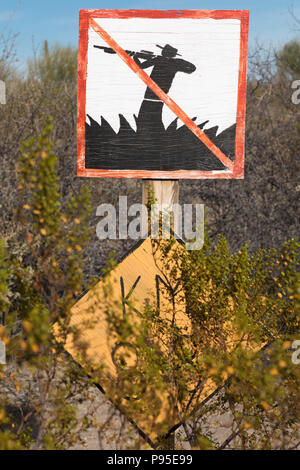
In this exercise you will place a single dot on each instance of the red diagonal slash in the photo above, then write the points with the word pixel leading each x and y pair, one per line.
pixel 162 95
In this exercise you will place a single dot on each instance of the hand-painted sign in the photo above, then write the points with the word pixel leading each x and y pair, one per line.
pixel 161 94
pixel 142 278
pixel 93 343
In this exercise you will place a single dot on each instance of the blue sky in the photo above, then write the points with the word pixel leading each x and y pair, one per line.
pixel 57 20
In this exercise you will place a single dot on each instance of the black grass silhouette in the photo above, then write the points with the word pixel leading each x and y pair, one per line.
pixel 168 149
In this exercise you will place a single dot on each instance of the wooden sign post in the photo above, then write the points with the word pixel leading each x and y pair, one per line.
pixel 162 97
pixel 164 191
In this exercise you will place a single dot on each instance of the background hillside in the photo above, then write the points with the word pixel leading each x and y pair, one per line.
pixel 260 210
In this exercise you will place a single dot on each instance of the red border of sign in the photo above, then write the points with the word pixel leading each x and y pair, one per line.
pixel 238 167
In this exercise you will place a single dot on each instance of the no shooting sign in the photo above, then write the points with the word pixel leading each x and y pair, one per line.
pixel 162 94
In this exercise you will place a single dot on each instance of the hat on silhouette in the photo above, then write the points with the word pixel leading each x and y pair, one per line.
pixel 168 50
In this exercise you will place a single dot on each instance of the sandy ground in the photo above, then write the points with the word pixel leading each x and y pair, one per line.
pixel 119 433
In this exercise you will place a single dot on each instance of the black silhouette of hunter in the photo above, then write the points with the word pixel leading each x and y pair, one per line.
pixel 165 67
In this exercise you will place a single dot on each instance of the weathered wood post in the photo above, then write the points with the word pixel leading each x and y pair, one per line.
pixel 165 193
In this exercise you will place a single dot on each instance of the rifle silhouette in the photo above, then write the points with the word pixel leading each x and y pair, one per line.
pixel 141 55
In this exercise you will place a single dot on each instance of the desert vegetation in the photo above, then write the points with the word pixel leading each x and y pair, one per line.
pixel 246 275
